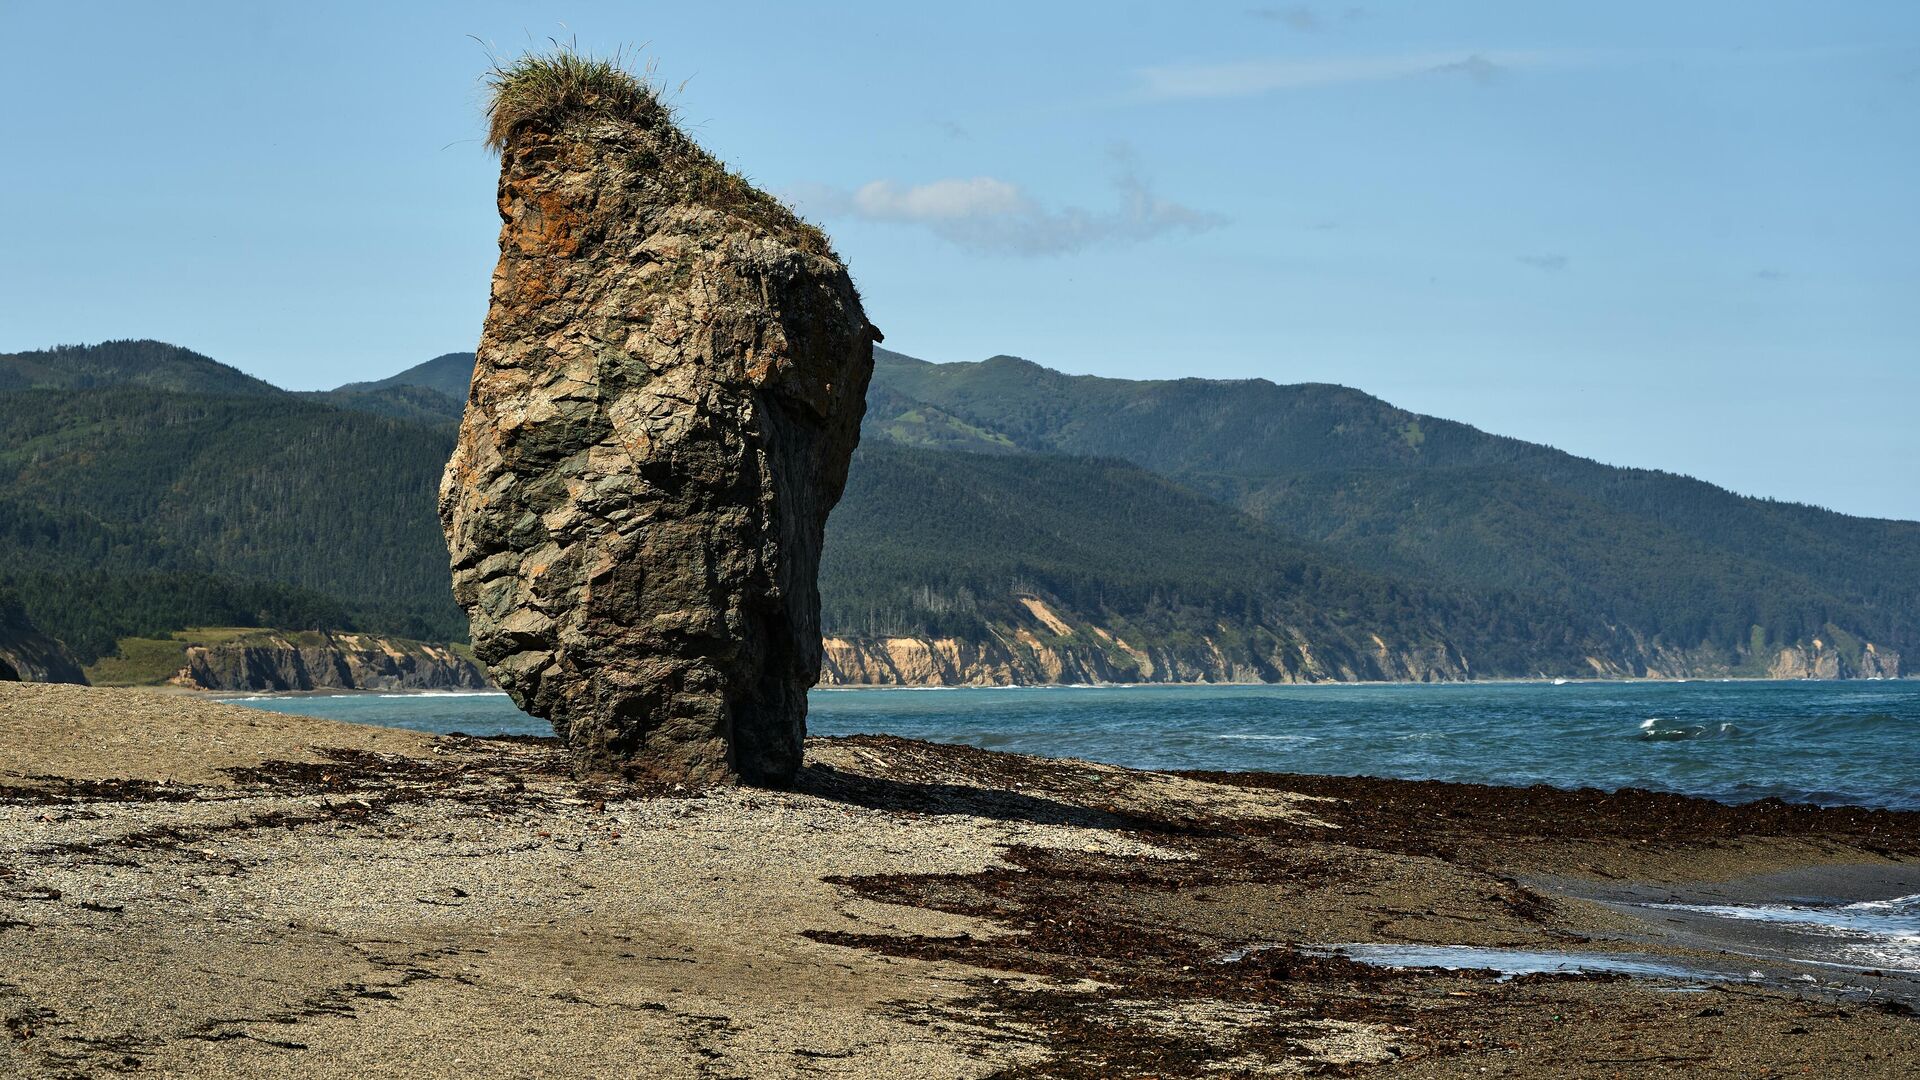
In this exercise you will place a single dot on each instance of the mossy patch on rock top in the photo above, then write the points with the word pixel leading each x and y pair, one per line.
pixel 546 92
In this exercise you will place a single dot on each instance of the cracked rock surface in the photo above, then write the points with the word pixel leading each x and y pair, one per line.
pixel 668 390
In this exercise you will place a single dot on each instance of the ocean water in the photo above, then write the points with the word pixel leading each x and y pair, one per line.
pixel 1881 934
pixel 1513 962
pixel 1824 742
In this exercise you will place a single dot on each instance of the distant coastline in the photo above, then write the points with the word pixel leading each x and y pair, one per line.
pixel 1823 742
pixel 220 695
pixel 1127 532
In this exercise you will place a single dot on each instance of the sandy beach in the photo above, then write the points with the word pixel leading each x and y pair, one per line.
pixel 196 889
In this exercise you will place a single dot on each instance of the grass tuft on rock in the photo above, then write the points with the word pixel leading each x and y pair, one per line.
pixel 544 88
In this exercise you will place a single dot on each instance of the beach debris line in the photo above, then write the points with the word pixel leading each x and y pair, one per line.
pixel 668 390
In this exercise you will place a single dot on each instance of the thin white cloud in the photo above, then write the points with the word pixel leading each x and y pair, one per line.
pixel 939 201
pixel 1248 78
pixel 1298 17
pixel 993 216
pixel 1475 67
pixel 1303 18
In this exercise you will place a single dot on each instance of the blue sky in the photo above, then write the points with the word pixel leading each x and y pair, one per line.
pixel 1675 235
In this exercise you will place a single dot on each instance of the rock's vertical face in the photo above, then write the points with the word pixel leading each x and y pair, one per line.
pixel 668 389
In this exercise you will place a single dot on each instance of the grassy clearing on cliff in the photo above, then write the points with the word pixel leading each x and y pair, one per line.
pixel 151 661
pixel 140 662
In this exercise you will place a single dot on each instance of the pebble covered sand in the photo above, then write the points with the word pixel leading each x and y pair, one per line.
pixel 194 889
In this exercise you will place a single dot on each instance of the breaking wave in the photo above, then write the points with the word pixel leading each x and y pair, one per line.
pixel 1657 729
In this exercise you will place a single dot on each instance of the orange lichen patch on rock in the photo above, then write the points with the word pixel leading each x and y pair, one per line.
pixel 551 227
pixel 530 285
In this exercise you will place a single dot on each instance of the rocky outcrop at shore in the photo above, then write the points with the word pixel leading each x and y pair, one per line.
pixel 925 661
pixel 1818 660
pixel 667 393
pixel 1057 647
pixel 27 655
pixel 266 661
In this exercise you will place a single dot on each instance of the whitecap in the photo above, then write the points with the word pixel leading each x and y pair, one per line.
pixel 445 694
pixel 1869 934
pixel 1509 963
pixel 1662 729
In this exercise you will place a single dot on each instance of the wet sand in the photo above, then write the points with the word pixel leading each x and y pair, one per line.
pixel 193 889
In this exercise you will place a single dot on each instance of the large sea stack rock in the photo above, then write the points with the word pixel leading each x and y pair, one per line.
pixel 667 393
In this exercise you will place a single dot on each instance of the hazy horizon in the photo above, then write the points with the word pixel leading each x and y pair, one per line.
pixel 1673 239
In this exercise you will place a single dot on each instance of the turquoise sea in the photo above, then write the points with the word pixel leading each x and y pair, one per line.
pixel 1824 742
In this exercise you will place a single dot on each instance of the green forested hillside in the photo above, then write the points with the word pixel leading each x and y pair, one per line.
pixel 448 374
pixel 1504 527
pixel 151 364
pixel 1671 558
pixel 128 509
pixel 276 490
pixel 944 543
pixel 145 488
pixel 433 392
pixel 401 402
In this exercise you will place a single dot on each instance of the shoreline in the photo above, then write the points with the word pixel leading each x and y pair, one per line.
pixel 971 721
pixel 205 889
pixel 1252 774
pixel 1551 681
pixel 1436 684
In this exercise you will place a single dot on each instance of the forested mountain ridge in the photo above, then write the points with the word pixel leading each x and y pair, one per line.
pixel 154 365
pixel 1003 523
pixel 1686 567
pixel 449 374
pixel 415 403
pixel 128 511
pixel 433 391
pixel 948 566
pixel 1123 550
